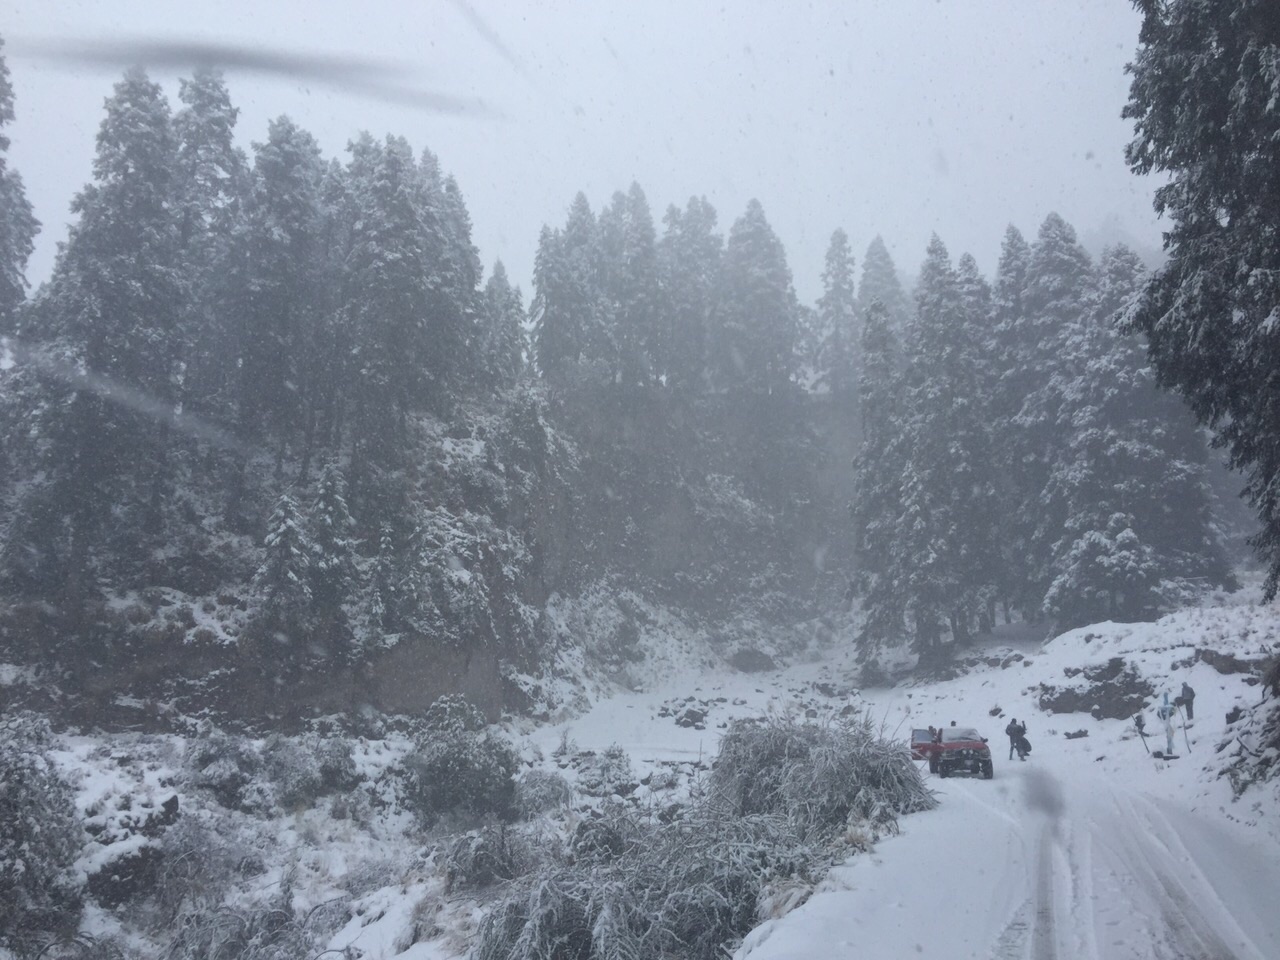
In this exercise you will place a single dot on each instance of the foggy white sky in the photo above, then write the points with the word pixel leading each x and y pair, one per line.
pixel 898 117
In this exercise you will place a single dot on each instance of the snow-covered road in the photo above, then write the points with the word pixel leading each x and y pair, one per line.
pixel 1036 865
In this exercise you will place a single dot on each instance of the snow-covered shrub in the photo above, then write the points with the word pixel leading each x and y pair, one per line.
pixel 464 772
pixel 611 834
pixel 84 947
pixel 786 799
pixel 607 773
pixel 684 889
pixel 199 864
pixel 228 767
pixel 303 771
pixel 454 713
pixel 293 772
pixel 40 837
pixel 541 791
pixel 338 773
pixel 486 856
pixel 271 931
pixel 817 776
pixel 374 872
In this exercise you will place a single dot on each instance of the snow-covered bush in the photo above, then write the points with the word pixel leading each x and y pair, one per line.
pixel 302 771
pixel 607 773
pixel 541 791
pixel 602 838
pixel 1254 736
pixel 454 713
pixel 84 947
pixel 40 837
pixel 464 772
pixel 271 931
pixel 292 771
pixel 228 767
pixel 199 864
pixel 787 800
pixel 817 776
pixel 338 773
pixel 684 889
pixel 486 856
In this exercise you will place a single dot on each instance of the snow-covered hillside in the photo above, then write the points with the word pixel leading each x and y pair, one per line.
pixel 1091 848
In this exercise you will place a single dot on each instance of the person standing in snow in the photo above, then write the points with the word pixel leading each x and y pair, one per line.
pixel 1165 713
pixel 1013 731
pixel 1188 700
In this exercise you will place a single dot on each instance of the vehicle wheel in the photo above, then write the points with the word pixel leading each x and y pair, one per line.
pixel 988 770
pixel 942 771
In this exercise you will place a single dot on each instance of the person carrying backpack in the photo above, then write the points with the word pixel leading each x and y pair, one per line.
pixel 1013 731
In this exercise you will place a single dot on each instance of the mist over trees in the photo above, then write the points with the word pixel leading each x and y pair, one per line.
pixel 271 408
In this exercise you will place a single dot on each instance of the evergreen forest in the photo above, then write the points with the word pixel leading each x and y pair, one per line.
pixel 274 436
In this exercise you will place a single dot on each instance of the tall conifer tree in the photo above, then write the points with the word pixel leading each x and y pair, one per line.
pixel 837 321
pixel 111 311
pixel 689 258
pixel 18 224
pixel 752 346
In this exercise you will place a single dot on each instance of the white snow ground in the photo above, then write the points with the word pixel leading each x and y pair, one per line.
pixel 1091 849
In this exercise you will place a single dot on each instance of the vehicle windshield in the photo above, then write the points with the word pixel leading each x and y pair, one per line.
pixel 484 476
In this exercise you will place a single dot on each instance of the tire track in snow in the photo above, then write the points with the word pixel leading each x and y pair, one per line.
pixel 1192 934
pixel 1012 942
pixel 1044 933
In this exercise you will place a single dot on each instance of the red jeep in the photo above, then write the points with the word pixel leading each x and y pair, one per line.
pixel 921 743
pixel 961 750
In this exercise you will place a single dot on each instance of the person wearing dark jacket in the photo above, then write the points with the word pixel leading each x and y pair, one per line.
pixel 1013 731
pixel 1188 700
pixel 1017 739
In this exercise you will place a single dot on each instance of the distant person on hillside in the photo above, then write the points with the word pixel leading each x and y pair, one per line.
pixel 1187 700
pixel 1165 712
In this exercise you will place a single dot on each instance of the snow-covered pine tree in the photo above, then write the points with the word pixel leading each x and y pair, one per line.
pixel 211 180
pixel 502 337
pixel 18 225
pixel 880 283
pixel 276 267
pixel 111 311
pixel 1203 101
pixel 283 580
pixel 877 479
pixel 1132 475
pixel 752 343
pixel 837 360
pixel 330 356
pixel 629 285
pixel 946 535
pixel 390 295
pixel 454 335
pixel 332 567
pixel 569 328
pixel 979 314
pixel 689 267
pixel 1008 389
pixel 1038 345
